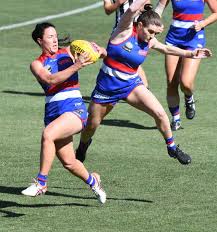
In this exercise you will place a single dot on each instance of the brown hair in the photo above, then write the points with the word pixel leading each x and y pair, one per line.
pixel 149 17
pixel 39 30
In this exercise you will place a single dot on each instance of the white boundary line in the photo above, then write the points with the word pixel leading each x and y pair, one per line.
pixel 49 17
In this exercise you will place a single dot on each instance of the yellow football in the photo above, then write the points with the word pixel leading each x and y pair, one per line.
pixel 80 46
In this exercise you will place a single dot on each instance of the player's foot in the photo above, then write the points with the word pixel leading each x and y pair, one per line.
pixel 82 150
pixel 35 189
pixel 178 154
pixel 175 125
pixel 98 190
pixel 190 109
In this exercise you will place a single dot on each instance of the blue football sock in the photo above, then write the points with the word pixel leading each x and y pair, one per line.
pixel 91 180
pixel 175 113
pixel 189 98
pixel 42 179
pixel 170 143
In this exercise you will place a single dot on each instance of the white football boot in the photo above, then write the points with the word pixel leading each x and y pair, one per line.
pixel 34 189
pixel 175 125
pixel 98 190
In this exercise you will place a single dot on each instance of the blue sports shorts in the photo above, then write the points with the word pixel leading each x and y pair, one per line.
pixel 110 89
pixel 54 109
pixel 184 38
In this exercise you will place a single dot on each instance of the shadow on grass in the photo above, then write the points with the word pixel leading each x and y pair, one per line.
pixel 130 199
pixel 7 204
pixel 126 123
pixel 17 191
pixel 24 93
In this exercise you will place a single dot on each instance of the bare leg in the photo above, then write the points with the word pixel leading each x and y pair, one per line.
pixel 189 71
pixel 63 127
pixel 188 75
pixel 66 155
pixel 96 114
pixel 142 99
pixel 173 70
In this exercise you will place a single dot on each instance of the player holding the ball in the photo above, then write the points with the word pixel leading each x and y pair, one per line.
pixel 56 70
pixel 118 77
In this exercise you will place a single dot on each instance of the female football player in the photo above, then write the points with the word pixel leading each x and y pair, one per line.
pixel 56 70
pixel 118 77
pixel 186 32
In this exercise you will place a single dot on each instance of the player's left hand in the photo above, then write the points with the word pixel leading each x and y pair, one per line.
pixel 201 53
pixel 102 51
pixel 198 26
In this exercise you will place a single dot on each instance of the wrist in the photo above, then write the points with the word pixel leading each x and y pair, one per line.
pixel 202 24
pixel 77 65
pixel 189 54
pixel 159 8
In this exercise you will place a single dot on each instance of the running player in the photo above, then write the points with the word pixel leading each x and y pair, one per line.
pixel 56 70
pixel 118 77
pixel 186 32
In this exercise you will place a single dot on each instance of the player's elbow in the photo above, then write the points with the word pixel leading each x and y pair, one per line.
pixel 50 80
pixel 132 9
pixel 108 12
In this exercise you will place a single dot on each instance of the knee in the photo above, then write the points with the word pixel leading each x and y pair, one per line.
pixel 161 115
pixel 93 124
pixel 47 136
pixel 70 166
pixel 186 87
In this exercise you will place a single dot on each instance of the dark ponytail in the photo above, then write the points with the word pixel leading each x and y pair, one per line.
pixel 149 16
pixel 64 40
pixel 148 7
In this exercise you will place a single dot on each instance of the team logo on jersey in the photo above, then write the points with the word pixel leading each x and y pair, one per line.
pixel 64 60
pixel 48 67
pixel 78 112
pixel 78 104
pixel 100 95
pixel 128 46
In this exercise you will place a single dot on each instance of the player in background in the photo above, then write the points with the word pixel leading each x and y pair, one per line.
pixel 56 70
pixel 118 77
pixel 187 31
pixel 120 7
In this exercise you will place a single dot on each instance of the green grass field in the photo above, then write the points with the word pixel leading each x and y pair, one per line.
pixel 147 190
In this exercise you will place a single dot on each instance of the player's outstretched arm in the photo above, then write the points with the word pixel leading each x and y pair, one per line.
pixel 198 53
